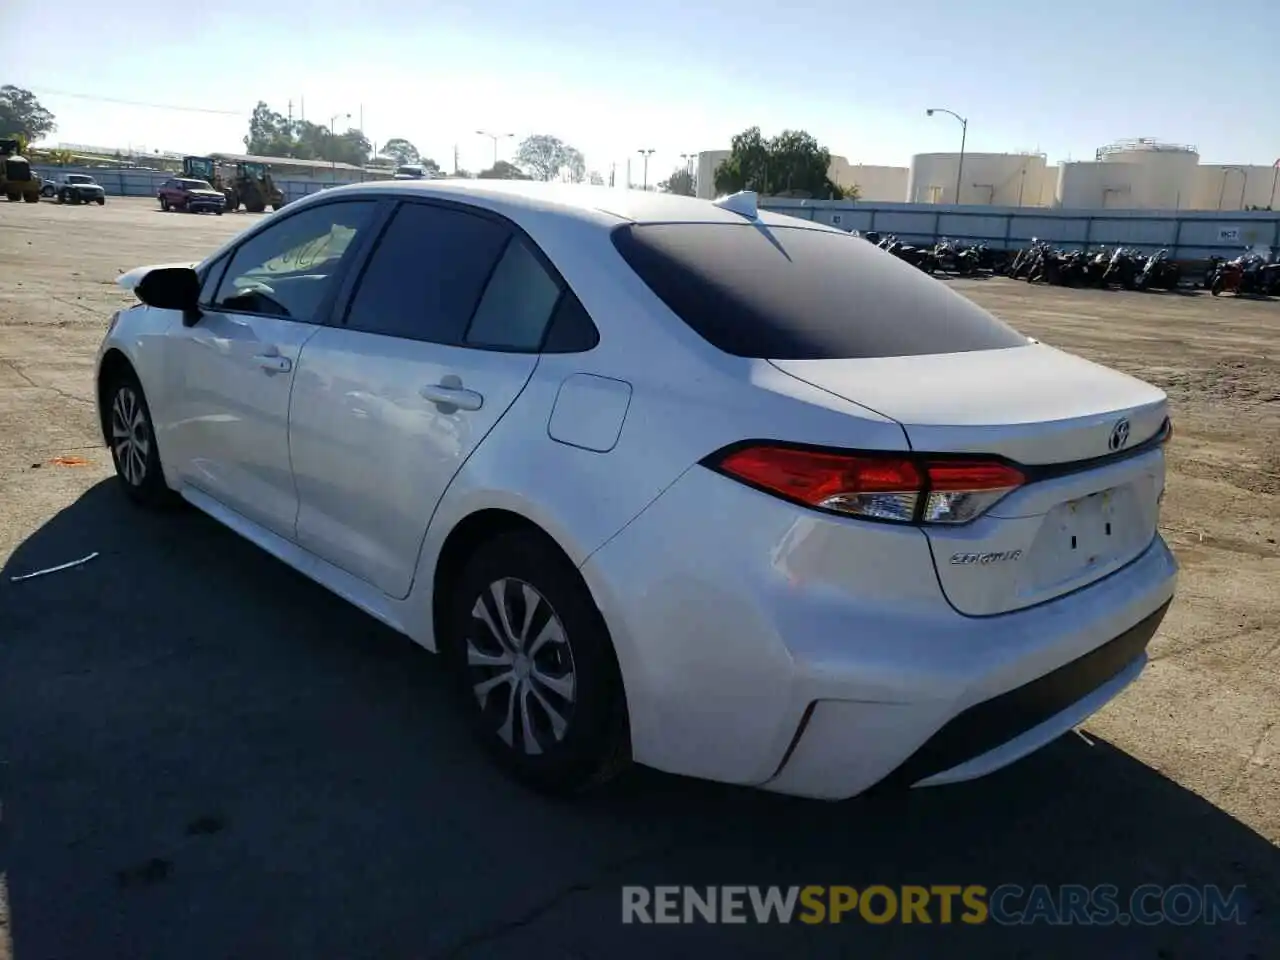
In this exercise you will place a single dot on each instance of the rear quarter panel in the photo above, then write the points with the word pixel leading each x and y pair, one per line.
pixel 687 400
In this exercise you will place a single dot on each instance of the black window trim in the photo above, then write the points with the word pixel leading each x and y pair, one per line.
pixel 355 275
pixel 324 312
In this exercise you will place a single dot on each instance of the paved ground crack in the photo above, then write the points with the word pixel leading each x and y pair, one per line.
pixel 531 916
pixel 39 386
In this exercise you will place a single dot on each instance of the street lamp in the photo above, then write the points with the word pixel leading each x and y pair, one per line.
pixel 690 161
pixel 495 137
pixel 646 154
pixel 964 133
pixel 1244 182
pixel 333 145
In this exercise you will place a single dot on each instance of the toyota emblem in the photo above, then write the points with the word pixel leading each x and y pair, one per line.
pixel 1119 435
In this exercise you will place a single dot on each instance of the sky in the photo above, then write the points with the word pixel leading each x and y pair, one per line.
pixel 674 76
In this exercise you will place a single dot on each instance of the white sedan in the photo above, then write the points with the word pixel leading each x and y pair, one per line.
pixel 723 492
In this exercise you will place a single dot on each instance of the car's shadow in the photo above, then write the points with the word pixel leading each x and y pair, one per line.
pixel 205 755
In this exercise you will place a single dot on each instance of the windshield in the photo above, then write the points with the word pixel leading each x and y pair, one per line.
pixel 79 178
pixel 194 185
pixel 410 170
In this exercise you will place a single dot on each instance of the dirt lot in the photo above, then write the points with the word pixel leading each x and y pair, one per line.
pixel 204 755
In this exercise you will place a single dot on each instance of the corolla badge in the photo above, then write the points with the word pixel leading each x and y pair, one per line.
pixel 1119 435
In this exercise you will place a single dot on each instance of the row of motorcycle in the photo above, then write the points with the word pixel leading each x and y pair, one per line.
pixel 945 256
pixel 1255 271
pixel 1125 267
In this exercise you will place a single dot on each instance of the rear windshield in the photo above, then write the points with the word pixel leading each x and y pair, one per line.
pixel 794 293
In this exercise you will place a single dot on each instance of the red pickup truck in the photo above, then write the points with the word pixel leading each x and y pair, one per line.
pixel 193 196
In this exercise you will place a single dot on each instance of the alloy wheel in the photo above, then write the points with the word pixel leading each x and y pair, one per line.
pixel 520 666
pixel 130 436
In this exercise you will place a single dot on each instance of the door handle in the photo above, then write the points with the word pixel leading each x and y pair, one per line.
pixel 448 395
pixel 273 362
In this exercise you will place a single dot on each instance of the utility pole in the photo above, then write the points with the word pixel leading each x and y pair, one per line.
pixel 613 172
pixel 628 173
pixel 495 137
pixel 290 114
pixel 455 159
pixel 646 153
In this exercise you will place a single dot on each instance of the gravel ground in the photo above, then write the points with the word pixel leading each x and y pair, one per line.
pixel 203 755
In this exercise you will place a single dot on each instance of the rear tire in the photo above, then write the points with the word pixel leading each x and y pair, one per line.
pixel 131 438
pixel 536 671
pixel 102 201
pixel 164 205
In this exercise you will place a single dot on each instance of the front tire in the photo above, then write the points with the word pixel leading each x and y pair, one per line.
pixel 535 666
pixel 1216 287
pixel 131 437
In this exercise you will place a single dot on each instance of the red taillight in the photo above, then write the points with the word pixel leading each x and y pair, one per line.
pixel 897 487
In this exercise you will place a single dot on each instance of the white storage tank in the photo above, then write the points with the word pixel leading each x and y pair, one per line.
pixel 1164 174
pixel 988 179
pixel 1093 185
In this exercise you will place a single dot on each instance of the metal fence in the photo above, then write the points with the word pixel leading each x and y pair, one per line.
pixel 123 182
pixel 1188 235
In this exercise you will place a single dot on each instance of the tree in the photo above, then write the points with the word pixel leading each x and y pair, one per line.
pixel 680 182
pixel 502 170
pixel 545 157
pixel 401 150
pixel 792 162
pixel 272 135
pixel 21 112
pixel 269 132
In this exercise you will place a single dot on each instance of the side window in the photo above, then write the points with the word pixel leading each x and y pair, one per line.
pixel 288 269
pixel 426 274
pixel 572 330
pixel 209 282
pixel 517 303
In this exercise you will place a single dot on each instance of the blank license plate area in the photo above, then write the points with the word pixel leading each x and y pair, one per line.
pixel 1088 536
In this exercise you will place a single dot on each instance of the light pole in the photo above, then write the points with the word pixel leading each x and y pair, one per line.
pixel 495 137
pixel 964 133
pixel 646 154
pixel 1275 173
pixel 1223 189
pixel 333 145
pixel 690 160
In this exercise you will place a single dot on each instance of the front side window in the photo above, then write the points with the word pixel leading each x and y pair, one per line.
pixel 289 268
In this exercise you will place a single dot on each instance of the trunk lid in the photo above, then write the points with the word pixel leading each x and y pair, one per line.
pixel 1087 508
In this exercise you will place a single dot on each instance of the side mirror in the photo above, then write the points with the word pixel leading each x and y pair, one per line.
pixel 170 288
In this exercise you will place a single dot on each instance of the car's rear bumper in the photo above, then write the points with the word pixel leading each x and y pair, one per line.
pixel 766 645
